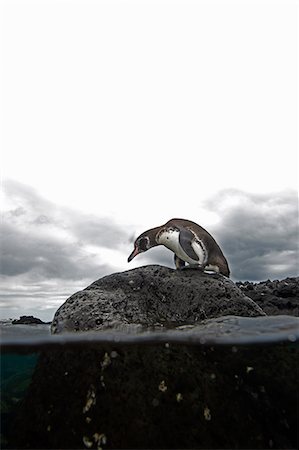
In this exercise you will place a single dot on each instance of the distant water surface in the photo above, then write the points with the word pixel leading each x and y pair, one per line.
pixel 226 330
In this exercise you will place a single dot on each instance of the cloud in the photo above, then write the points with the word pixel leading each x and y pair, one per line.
pixel 46 256
pixel 258 233
pixel 100 232
pixel 51 241
pixel 48 251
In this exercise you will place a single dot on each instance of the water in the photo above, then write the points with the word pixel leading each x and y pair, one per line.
pixel 22 346
pixel 16 369
pixel 16 373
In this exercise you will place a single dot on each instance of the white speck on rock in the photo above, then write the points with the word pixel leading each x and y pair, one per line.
pixel 207 413
pixel 162 386
pixel 87 442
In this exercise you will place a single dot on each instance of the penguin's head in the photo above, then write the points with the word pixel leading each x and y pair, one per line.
pixel 143 243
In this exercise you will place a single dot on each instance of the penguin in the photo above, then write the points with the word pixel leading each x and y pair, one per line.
pixel 189 242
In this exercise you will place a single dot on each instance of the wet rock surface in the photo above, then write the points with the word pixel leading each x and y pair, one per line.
pixel 152 296
pixel 160 395
pixel 274 297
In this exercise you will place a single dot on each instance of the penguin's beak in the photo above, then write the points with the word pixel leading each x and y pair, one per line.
pixel 133 254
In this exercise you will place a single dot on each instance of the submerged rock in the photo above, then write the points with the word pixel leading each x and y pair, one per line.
pixel 151 297
pixel 161 396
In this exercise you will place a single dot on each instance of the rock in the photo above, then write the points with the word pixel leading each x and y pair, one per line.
pixel 170 395
pixel 150 297
pixel 161 396
pixel 27 320
pixel 274 297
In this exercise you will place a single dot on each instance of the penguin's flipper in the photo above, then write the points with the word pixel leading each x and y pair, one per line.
pixel 185 239
pixel 179 263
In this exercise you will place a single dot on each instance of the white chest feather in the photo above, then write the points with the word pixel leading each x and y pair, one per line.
pixel 170 239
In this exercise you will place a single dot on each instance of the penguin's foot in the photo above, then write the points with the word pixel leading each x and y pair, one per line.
pixel 179 263
pixel 192 266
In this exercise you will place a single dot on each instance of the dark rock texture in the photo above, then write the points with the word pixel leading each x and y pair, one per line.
pixel 28 320
pixel 274 297
pixel 152 296
pixel 116 395
pixel 159 396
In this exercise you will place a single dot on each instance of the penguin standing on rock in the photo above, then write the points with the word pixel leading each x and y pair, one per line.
pixel 190 243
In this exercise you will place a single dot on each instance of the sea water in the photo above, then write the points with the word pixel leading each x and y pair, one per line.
pixel 21 346
pixel 16 369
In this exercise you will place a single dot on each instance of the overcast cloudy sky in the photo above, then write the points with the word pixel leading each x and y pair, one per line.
pixel 119 115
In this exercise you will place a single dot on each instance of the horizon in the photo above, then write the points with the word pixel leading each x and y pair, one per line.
pixel 119 115
pixel 48 319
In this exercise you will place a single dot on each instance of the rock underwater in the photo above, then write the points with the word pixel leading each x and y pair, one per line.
pixel 159 395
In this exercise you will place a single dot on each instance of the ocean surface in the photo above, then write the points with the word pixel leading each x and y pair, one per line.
pixel 21 346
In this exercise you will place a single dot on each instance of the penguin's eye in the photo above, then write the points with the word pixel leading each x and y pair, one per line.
pixel 143 244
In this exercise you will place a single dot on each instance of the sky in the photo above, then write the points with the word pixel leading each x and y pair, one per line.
pixel 118 115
